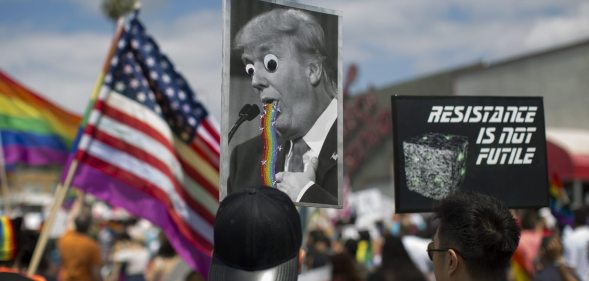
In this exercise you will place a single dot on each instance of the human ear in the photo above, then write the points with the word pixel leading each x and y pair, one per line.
pixel 452 262
pixel 315 68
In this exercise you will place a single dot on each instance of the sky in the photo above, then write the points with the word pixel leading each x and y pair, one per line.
pixel 57 47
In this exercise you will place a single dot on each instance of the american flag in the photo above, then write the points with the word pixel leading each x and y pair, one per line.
pixel 150 146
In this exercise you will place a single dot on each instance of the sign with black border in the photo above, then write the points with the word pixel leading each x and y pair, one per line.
pixel 492 145
pixel 248 82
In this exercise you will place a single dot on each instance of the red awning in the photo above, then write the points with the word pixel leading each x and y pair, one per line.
pixel 568 153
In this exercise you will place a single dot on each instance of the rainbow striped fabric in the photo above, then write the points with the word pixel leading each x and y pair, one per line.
pixel 269 155
pixel 518 269
pixel 7 240
pixel 33 131
pixel 559 203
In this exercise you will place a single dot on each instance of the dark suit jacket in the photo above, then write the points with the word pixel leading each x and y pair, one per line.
pixel 245 168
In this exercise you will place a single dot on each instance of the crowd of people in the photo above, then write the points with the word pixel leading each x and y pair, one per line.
pixel 546 249
pixel 467 237
pixel 92 249
pixel 522 244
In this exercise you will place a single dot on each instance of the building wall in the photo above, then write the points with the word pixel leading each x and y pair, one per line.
pixel 561 76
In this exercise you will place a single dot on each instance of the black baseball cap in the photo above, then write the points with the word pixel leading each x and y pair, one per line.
pixel 257 237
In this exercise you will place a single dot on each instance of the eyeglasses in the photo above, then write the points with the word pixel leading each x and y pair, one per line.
pixel 430 249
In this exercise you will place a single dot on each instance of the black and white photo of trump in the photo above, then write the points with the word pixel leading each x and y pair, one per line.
pixel 285 58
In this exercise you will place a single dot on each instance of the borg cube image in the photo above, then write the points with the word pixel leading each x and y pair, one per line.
pixel 435 164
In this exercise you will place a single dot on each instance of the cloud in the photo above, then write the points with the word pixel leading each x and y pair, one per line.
pixel 88 6
pixel 390 41
pixel 428 36
pixel 559 29
pixel 64 66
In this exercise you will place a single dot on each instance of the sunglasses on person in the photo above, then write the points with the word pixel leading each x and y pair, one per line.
pixel 430 249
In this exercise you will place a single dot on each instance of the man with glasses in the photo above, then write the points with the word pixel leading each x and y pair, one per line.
pixel 475 239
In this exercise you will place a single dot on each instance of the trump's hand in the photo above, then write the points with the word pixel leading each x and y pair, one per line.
pixel 292 183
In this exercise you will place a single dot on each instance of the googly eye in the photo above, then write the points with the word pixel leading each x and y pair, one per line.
pixel 249 69
pixel 270 62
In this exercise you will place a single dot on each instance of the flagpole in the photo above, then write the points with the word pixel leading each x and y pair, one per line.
pixel 4 179
pixel 61 191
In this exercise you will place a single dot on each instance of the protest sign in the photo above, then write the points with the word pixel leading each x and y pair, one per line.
pixel 279 113
pixel 492 145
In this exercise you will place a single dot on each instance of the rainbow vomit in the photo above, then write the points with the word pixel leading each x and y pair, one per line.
pixel 270 142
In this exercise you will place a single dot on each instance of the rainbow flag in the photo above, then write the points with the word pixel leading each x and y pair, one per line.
pixel 7 239
pixel 560 203
pixel 33 131
pixel 518 271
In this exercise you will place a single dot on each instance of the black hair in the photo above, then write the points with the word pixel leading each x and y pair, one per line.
pixel 580 216
pixel 27 241
pixel 166 250
pixel 481 229
pixel 529 219
pixel 351 246
pixel 343 267
pixel 364 235
pixel 396 262
pixel 83 223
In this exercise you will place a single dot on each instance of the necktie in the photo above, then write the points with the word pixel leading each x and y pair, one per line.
pixel 295 163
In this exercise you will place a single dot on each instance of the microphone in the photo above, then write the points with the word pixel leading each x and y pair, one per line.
pixel 247 112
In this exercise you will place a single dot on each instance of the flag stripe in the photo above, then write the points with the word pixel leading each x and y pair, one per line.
pixel 141 204
pixel 213 148
pixel 162 137
pixel 33 155
pixel 212 190
pixel 199 146
pixel 151 160
pixel 210 176
pixel 195 237
pixel 130 168
pixel 10 87
pixel 132 109
pixel 206 146
pixel 32 125
pixel 210 128
pixel 209 201
pixel 201 169
pixel 26 139
pixel 137 138
pixel 208 138
pixel 16 100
